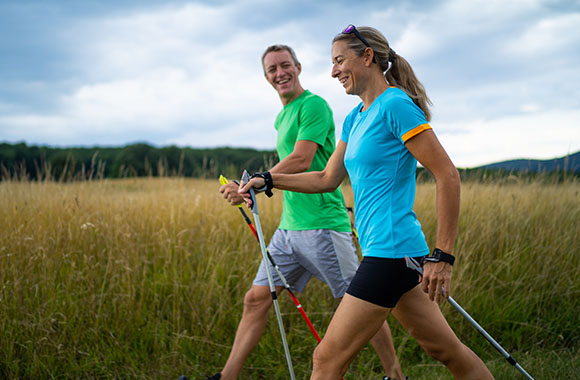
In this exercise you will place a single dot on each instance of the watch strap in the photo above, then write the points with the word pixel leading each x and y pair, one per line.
pixel 438 255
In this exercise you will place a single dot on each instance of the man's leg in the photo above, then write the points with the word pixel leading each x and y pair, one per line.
pixel 257 302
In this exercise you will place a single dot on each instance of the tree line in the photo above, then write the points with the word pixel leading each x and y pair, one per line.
pixel 39 163
pixel 29 162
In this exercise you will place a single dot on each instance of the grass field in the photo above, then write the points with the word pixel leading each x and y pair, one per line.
pixel 144 279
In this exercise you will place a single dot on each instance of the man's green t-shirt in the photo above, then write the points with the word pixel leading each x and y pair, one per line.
pixel 309 117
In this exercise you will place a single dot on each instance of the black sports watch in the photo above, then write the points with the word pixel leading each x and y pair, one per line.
pixel 437 256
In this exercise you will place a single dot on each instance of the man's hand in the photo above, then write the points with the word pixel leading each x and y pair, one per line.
pixel 436 276
pixel 230 193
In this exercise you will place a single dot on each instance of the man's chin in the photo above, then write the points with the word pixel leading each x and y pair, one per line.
pixel 284 91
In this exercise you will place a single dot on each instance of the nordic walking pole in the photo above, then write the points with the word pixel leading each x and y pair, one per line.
pixel 489 338
pixel 246 179
pixel 413 264
pixel 224 181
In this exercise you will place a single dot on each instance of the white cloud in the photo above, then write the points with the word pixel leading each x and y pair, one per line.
pixel 131 43
pixel 538 135
pixel 530 107
pixel 36 129
pixel 553 34
pixel 158 70
pixel 417 41
pixel 241 133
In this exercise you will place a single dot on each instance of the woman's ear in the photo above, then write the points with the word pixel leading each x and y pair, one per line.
pixel 368 56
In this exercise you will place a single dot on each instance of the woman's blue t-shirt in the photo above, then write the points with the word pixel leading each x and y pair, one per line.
pixel 382 174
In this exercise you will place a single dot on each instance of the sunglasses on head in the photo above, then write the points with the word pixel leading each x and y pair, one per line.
pixel 351 29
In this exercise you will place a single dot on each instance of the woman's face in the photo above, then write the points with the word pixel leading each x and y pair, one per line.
pixel 346 67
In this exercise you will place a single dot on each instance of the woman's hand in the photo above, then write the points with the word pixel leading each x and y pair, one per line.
pixel 244 189
pixel 435 277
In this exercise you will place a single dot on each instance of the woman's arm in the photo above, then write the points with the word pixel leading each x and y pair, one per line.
pixel 323 181
pixel 426 148
pixel 298 161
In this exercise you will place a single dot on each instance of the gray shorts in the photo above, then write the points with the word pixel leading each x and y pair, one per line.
pixel 328 255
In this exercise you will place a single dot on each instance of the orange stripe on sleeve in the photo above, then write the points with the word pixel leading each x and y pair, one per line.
pixel 415 131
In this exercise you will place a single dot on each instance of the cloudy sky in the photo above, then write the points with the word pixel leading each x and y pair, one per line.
pixel 504 76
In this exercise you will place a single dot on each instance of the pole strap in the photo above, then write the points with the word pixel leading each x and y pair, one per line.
pixel 269 184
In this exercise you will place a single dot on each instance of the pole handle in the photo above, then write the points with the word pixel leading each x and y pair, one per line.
pixel 225 181
pixel 246 179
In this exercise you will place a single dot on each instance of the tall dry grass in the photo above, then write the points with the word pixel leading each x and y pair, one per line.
pixel 144 279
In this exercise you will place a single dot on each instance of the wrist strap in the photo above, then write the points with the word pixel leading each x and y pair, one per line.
pixel 269 184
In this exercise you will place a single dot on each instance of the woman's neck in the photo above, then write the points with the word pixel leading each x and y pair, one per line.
pixel 376 86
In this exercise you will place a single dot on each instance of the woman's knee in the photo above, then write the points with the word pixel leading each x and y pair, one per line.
pixel 445 352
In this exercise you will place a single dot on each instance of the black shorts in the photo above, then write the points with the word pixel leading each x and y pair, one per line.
pixel 383 281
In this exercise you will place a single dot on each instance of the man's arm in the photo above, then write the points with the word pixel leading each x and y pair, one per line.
pixel 299 160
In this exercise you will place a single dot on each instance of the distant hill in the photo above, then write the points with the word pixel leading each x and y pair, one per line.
pixel 569 163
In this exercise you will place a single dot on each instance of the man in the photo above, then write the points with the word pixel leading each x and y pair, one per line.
pixel 314 235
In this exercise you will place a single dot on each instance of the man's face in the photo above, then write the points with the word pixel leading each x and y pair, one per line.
pixel 282 73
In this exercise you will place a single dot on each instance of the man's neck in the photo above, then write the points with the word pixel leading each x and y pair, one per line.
pixel 289 99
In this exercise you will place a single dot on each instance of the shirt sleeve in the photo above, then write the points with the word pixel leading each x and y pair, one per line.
pixel 315 120
pixel 407 119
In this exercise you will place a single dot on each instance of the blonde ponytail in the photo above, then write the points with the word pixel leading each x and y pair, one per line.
pixel 401 75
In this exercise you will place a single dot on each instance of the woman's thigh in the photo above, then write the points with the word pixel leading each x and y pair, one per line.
pixel 423 319
pixel 354 323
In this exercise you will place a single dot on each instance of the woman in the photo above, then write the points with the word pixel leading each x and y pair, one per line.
pixel 382 140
